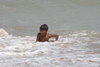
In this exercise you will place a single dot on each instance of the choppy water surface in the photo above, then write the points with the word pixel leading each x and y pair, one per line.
pixel 23 18
pixel 77 22
pixel 73 50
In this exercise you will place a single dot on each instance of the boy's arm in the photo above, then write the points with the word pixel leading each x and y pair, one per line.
pixel 54 35
pixel 37 39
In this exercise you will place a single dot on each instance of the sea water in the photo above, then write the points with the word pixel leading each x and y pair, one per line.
pixel 77 22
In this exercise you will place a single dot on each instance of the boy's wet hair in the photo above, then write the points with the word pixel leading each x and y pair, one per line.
pixel 44 27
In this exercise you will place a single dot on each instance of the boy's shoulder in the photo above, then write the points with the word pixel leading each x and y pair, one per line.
pixel 49 35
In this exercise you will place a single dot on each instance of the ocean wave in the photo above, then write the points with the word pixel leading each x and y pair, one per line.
pixel 3 33
pixel 67 51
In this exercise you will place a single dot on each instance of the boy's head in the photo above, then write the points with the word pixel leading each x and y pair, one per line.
pixel 43 29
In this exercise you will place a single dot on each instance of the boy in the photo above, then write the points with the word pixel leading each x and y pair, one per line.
pixel 43 36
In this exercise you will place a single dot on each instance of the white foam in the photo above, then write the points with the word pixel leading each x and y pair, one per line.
pixel 3 33
pixel 67 51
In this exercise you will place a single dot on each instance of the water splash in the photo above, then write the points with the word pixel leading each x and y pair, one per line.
pixel 68 51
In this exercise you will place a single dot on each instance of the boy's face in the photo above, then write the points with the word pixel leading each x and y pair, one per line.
pixel 43 32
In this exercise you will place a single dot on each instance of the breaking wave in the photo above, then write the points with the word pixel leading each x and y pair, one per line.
pixel 68 51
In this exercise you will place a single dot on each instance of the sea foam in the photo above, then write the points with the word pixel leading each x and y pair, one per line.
pixel 66 52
